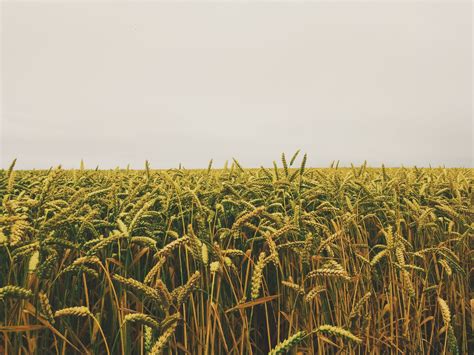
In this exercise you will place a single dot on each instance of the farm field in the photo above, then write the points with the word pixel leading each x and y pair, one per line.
pixel 236 261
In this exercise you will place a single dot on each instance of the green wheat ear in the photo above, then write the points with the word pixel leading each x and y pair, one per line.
pixel 284 346
pixel 275 168
pixel 285 165
pixel 238 165
pixel 17 292
pixel 303 165
pixel 293 158
pixel 209 166
pixel 11 176
pixel 147 169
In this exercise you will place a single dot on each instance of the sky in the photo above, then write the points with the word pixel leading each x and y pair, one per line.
pixel 117 83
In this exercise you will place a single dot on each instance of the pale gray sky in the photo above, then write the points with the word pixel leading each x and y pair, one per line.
pixel 117 83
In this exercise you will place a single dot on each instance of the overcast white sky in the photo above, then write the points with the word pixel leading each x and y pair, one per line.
pixel 117 83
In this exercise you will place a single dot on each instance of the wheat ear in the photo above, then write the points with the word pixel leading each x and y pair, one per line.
pixel 288 343
pixel 80 311
pixel 338 331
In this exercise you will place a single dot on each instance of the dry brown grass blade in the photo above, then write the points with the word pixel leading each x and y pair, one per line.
pixel 21 328
pixel 253 303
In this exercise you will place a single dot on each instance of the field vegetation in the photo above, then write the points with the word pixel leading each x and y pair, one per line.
pixel 236 261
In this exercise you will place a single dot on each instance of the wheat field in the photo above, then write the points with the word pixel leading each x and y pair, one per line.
pixel 236 261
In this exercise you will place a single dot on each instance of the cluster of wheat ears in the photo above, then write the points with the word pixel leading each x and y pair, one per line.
pixel 236 261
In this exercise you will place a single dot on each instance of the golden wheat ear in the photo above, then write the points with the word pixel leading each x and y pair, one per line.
pixel 445 312
pixel 257 275
pixel 46 307
pixel 163 339
pixel 79 311
pixel 186 290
